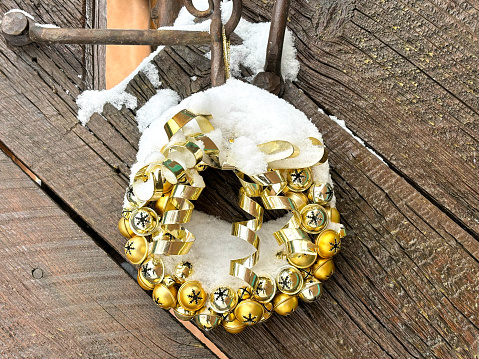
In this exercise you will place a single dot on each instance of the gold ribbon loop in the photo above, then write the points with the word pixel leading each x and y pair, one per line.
pixel 278 150
pixel 172 240
pixel 182 118
pixel 182 213
pixel 172 171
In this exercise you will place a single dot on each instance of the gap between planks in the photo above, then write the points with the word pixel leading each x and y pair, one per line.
pixel 104 245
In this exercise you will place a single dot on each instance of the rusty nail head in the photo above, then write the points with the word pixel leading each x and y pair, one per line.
pixel 14 23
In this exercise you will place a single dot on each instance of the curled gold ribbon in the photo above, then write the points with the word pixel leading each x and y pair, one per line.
pixel 246 230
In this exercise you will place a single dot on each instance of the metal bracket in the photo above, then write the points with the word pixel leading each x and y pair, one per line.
pixel 19 30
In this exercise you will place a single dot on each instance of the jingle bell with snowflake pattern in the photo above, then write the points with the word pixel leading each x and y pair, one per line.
pixel 265 289
pixel 249 312
pixel 163 296
pixel 289 280
pixel 136 249
pixel 311 290
pixel 329 243
pixel 299 179
pixel 320 193
pixel 313 218
pixel 223 299
pixel 191 296
pixel 124 227
pixel 143 221
pixel 153 270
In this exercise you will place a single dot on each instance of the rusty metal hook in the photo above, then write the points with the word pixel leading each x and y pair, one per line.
pixel 199 13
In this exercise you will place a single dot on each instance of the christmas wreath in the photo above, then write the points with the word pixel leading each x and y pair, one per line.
pixel 190 261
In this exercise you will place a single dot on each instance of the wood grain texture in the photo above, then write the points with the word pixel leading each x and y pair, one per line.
pixel 62 296
pixel 407 283
pixel 403 76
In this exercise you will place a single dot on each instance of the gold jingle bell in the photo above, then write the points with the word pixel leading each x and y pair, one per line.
pixel 207 319
pixel 320 193
pixel 223 299
pixel 124 227
pixel 333 214
pixel 182 313
pixel 245 292
pixel 303 260
pixel 182 271
pixel 323 269
pixel 285 304
pixel 136 249
pixel 143 221
pixel 249 312
pixel 169 281
pixel 162 205
pixel 153 270
pixel 328 243
pixel 299 199
pixel 143 282
pixel 234 326
pixel 311 290
pixel 313 218
pixel 299 179
pixel 132 199
pixel 289 280
pixel 268 311
pixel 191 295
pixel 265 289
pixel 163 296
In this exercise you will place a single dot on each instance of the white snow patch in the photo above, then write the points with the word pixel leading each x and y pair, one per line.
pixel 47 26
pixel 162 101
pixel 248 115
pixel 92 101
pixel 20 11
pixel 343 125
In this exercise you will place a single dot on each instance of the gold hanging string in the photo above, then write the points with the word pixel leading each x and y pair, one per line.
pixel 226 53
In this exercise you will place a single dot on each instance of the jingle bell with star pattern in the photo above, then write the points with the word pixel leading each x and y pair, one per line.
pixel 191 296
pixel 249 312
pixel 329 243
pixel 311 290
pixel 313 218
pixel 136 249
pixel 163 296
pixel 299 179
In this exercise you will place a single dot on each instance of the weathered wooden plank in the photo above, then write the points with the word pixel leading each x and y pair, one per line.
pixel 403 75
pixel 62 296
pixel 407 278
